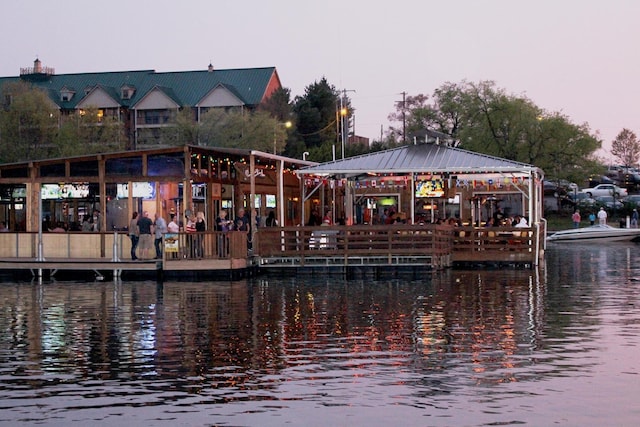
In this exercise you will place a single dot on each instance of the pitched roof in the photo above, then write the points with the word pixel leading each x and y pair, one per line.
pixel 249 84
pixel 419 158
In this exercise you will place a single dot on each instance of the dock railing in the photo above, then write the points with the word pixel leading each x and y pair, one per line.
pixel 486 244
pixel 358 244
pixel 117 245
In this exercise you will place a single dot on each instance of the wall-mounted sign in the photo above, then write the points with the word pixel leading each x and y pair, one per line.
pixel 430 188
pixel 64 191
pixel 144 190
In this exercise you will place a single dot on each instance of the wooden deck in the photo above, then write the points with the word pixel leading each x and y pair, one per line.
pixel 497 245
pixel 339 248
pixel 432 246
pixel 104 253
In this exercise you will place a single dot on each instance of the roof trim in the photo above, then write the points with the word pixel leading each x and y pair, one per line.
pixel 420 158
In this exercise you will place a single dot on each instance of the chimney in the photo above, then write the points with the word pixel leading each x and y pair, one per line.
pixel 210 67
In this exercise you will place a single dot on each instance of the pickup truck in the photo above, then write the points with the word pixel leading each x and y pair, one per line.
pixel 605 190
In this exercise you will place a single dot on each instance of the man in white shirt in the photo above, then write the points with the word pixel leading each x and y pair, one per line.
pixel 602 216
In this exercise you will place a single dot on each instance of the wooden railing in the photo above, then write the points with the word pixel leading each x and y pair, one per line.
pixel 439 245
pixel 432 242
pixel 117 245
pixel 473 244
pixel 206 245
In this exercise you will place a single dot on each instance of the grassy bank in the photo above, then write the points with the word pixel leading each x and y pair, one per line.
pixel 563 221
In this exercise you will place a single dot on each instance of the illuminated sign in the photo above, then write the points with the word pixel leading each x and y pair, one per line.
pixel 19 193
pixel 144 190
pixel 50 191
pixel 430 188
pixel 65 191
pixel 74 191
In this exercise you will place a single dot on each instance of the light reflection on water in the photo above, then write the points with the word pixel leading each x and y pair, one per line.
pixel 461 348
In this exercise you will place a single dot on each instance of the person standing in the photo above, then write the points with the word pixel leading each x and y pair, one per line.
pixel 160 230
pixel 223 225
pixel 134 235
pixel 146 240
pixel 173 226
pixel 201 227
pixel 602 216
pixel 243 223
pixel 592 218
pixel 576 219
pixel 634 218
pixel 271 220
pixel 95 221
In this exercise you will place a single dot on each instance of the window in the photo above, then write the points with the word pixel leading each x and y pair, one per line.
pixel 126 92
pixel 166 165
pixel 52 170
pixel 84 168
pixel 154 117
pixel 124 166
pixel 66 95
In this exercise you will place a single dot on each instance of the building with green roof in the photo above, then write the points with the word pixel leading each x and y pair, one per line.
pixel 145 101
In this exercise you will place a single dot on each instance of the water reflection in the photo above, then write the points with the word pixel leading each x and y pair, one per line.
pixel 457 348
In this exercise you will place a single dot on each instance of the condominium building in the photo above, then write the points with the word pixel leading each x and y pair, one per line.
pixel 145 101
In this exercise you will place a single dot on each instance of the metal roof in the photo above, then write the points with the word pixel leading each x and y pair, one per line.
pixel 194 149
pixel 249 84
pixel 419 158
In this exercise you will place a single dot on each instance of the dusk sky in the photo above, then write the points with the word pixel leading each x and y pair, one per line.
pixel 577 57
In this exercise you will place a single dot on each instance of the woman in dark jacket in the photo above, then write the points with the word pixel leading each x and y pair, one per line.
pixel 271 220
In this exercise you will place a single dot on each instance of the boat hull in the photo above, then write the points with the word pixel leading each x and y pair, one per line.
pixel 595 233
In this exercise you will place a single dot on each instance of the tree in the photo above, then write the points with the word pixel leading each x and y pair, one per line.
pixel 28 123
pixel 278 105
pixel 31 127
pixel 89 132
pixel 184 129
pixel 316 119
pixel 484 118
pixel 626 148
pixel 242 129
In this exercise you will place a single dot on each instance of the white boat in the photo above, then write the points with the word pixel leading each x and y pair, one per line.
pixel 595 233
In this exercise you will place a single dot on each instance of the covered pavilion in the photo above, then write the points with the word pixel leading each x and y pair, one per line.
pixel 428 183
pixel 430 171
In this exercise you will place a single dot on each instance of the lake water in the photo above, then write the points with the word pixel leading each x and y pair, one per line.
pixel 559 345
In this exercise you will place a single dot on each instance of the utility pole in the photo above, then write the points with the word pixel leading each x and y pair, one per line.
pixel 404 117
pixel 344 117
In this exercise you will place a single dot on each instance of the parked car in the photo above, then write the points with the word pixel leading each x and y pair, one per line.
pixel 609 202
pixel 582 200
pixel 551 188
pixel 570 186
pixel 559 185
pixel 599 179
pixel 633 201
pixel 605 190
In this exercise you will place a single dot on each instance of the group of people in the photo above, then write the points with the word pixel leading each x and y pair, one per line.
pixel 601 217
pixel 147 234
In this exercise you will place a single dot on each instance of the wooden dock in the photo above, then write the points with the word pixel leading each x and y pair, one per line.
pixel 207 254
pixel 281 250
pixel 424 247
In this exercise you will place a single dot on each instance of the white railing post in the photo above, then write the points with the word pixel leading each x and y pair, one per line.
pixel 115 257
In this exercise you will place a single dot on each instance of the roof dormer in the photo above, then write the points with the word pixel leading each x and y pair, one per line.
pixel 127 92
pixel 66 94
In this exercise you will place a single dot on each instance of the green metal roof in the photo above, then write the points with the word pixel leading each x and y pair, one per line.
pixel 187 87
